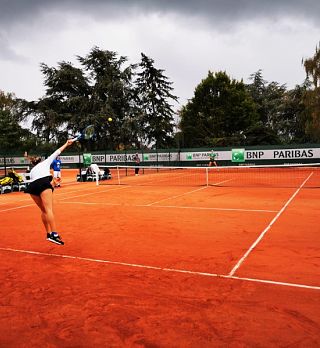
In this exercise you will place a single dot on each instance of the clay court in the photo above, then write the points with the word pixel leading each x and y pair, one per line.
pixel 160 265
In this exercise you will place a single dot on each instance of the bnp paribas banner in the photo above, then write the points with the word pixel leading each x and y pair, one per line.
pixel 145 157
pixel 243 155
pixel 233 155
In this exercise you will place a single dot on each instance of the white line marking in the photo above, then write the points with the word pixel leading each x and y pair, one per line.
pixel 187 193
pixel 183 194
pixel 27 198
pixel 209 208
pixel 267 228
pixel 275 282
pixel 61 199
pixel 96 192
pixel 92 203
pixel 172 206
pixel 164 269
pixel 15 208
pixel 221 182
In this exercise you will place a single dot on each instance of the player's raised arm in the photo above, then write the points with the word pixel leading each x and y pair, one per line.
pixel 66 144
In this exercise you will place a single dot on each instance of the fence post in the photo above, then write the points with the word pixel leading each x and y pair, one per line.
pixel 79 156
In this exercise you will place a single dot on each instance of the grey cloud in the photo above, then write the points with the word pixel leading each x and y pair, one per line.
pixel 7 53
pixel 217 10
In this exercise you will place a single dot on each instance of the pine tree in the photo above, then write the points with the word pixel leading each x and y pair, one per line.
pixel 153 90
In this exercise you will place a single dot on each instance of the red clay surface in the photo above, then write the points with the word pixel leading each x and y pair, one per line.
pixel 162 266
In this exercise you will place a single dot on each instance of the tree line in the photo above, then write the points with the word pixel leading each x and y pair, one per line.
pixel 140 100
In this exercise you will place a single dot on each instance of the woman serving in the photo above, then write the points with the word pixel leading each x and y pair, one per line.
pixel 41 191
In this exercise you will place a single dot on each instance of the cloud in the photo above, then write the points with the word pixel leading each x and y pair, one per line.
pixel 185 38
pixel 213 11
pixel 7 53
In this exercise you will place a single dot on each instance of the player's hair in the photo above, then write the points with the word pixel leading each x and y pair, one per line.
pixel 35 160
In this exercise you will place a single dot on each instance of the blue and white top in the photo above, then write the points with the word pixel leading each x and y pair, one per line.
pixel 56 165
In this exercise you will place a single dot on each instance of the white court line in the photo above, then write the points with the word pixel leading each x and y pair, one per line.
pixel 96 192
pixel 172 206
pixel 27 198
pixel 187 193
pixel 59 199
pixel 152 179
pixel 15 208
pixel 211 208
pixel 183 194
pixel 267 228
pixel 164 269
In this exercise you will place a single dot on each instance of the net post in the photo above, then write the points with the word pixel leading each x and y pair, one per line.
pixel 207 176
pixel 118 173
pixel 5 165
pixel 79 157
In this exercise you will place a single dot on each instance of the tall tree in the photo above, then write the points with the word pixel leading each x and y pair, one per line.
pixel 292 123
pixel 257 90
pixel 12 135
pixel 154 94
pixel 312 96
pixel 111 95
pixel 268 98
pixel 76 97
pixel 64 105
pixel 282 113
pixel 218 114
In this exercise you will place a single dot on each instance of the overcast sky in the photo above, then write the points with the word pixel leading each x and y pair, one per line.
pixel 185 38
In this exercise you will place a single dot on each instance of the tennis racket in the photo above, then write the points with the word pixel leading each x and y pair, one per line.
pixel 86 134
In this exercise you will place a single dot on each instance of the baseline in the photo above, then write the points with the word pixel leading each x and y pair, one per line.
pixel 164 269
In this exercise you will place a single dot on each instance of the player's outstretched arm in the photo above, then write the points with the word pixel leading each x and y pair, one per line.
pixel 67 143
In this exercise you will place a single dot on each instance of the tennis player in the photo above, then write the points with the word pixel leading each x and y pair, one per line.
pixel 56 166
pixel 41 191
pixel 212 159
pixel 136 159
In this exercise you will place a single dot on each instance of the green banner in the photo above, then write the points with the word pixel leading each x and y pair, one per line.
pixel 87 159
pixel 238 155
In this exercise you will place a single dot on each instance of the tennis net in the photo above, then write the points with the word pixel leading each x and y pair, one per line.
pixel 292 175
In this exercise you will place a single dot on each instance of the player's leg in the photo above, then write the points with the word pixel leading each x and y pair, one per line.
pixel 56 178
pixel 38 201
pixel 47 201
pixel 59 178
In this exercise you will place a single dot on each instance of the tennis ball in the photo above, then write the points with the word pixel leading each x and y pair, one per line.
pixel 109 119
